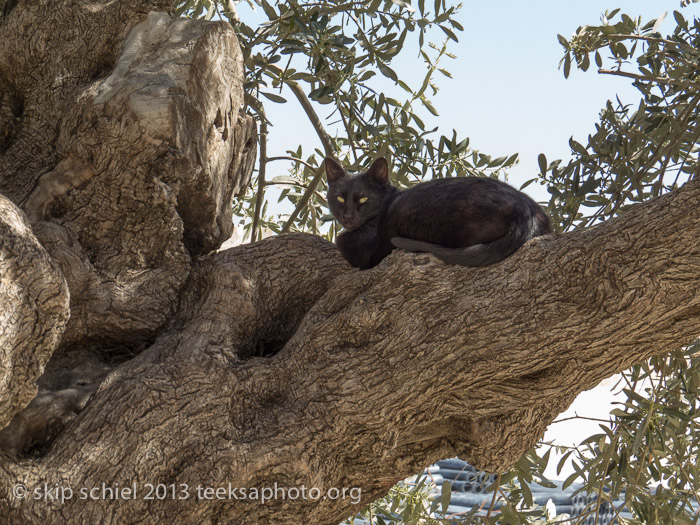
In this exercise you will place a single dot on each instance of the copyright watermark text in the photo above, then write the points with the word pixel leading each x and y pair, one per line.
pixel 182 491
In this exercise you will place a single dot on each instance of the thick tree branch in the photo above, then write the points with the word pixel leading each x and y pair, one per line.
pixel 145 116
pixel 33 310
pixel 388 369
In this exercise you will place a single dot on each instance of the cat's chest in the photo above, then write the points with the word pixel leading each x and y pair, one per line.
pixel 361 236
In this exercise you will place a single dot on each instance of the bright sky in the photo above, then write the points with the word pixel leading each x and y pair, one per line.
pixel 509 96
pixel 513 96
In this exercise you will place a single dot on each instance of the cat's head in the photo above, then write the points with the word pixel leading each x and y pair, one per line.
pixel 355 198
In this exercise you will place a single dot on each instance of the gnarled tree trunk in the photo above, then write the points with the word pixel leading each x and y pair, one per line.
pixel 121 147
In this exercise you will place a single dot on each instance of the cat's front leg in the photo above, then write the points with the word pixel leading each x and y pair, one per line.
pixel 356 249
pixel 382 248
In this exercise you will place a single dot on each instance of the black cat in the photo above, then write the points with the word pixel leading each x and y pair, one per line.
pixel 467 220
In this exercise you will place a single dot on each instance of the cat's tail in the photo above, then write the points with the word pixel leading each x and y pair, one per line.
pixel 476 255
pixel 480 254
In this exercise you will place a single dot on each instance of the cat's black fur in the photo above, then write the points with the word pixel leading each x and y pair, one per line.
pixel 467 220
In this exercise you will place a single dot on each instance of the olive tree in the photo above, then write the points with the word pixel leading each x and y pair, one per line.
pixel 146 374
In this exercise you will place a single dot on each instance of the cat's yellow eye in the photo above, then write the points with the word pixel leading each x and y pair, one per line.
pixel 363 200
pixel 340 199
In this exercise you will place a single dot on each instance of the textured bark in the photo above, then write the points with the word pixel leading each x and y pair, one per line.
pixel 33 310
pixel 122 151
pixel 384 371
pixel 271 364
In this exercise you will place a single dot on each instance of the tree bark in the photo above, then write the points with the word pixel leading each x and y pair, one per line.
pixel 34 306
pixel 271 365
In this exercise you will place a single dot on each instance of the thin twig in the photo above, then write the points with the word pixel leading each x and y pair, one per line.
pixel 306 105
pixel 661 80
pixel 322 135
pixel 285 183
pixel 313 117
pixel 495 493
pixel 293 159
pixel 654 39
pixel 261 178
pixel 304 199
pixel 582 417
pixel 297 184
pixel 308 109
pixel 325 140
pixel 613 444
pixel 349 132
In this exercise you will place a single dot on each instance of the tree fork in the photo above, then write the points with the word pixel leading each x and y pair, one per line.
pixel 384 371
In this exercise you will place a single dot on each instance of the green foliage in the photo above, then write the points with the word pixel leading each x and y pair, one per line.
pixel 408 502
pixel 413 502
pixel 637 151
pixel 198 8
pixel 648 454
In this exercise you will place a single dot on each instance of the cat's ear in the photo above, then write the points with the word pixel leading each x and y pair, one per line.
pixel 379 171
pixel 334 171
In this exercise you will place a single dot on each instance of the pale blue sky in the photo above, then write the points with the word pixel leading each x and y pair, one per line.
pixel 515 99
pixel 508 94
